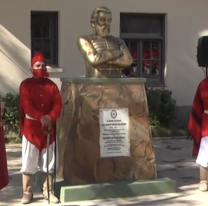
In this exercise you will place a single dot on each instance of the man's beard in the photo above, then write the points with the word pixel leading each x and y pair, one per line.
pixel 104 31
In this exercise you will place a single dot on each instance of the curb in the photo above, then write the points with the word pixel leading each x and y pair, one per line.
pixel 174 137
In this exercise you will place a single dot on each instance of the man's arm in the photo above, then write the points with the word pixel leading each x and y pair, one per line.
pixel 21 120
pixel 56 105
pixel 26 102
pixel 126 59
pixel 92 56
pixel 195 119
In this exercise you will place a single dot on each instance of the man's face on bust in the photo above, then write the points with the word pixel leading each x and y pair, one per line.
pixel 103 24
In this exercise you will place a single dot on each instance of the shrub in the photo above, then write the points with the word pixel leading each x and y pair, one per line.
pixel 10 116
pixel 162 107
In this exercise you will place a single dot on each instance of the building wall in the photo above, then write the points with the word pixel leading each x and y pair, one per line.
pixel 186 21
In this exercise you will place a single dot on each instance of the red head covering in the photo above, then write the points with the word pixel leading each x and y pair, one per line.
pixel 39 73
pixel 38 57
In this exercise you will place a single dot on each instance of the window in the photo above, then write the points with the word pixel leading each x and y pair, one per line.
pixel 44 35
pixel 144 36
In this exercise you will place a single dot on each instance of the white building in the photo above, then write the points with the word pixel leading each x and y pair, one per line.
pixel 172 26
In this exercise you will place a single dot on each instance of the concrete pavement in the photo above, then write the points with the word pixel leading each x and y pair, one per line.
pixel 174 160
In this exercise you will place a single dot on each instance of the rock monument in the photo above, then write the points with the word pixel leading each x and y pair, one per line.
pixel 104 133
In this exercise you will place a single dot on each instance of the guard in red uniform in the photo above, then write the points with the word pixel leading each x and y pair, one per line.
pixel 4 178
pixel 146 62
pixel 198 128
pixel 40 106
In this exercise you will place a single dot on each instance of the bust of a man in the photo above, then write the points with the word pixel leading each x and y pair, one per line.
pixel 104 55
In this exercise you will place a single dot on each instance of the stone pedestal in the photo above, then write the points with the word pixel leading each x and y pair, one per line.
pixel 79 132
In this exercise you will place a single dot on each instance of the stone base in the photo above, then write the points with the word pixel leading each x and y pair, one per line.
pixel 80 139
pixel 67 193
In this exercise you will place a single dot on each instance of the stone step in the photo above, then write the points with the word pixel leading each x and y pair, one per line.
pixel 68 193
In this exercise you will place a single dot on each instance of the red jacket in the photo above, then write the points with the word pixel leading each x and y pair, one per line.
pixel 4 177
pixel 198 121
pixel 38 98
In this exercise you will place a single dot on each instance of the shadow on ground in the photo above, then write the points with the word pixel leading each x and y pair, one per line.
pixel 174 160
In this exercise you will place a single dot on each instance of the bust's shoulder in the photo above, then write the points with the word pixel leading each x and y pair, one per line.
pixel 85 38
pixel 112 37
pixel 115 38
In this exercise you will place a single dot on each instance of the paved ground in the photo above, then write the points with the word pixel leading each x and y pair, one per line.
pixel 173 160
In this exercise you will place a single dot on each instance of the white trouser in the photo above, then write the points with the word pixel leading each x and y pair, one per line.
pixel 34 160
pixel 202 158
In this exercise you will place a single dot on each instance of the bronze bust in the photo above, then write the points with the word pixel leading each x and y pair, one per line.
pixel 104 55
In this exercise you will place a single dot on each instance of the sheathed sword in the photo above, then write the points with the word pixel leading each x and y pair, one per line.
pixel 48 133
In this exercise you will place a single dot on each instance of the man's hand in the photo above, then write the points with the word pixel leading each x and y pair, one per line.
pixel 46 121
pixel 116 53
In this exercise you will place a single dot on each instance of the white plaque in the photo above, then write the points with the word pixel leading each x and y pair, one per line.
pixel 114 132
